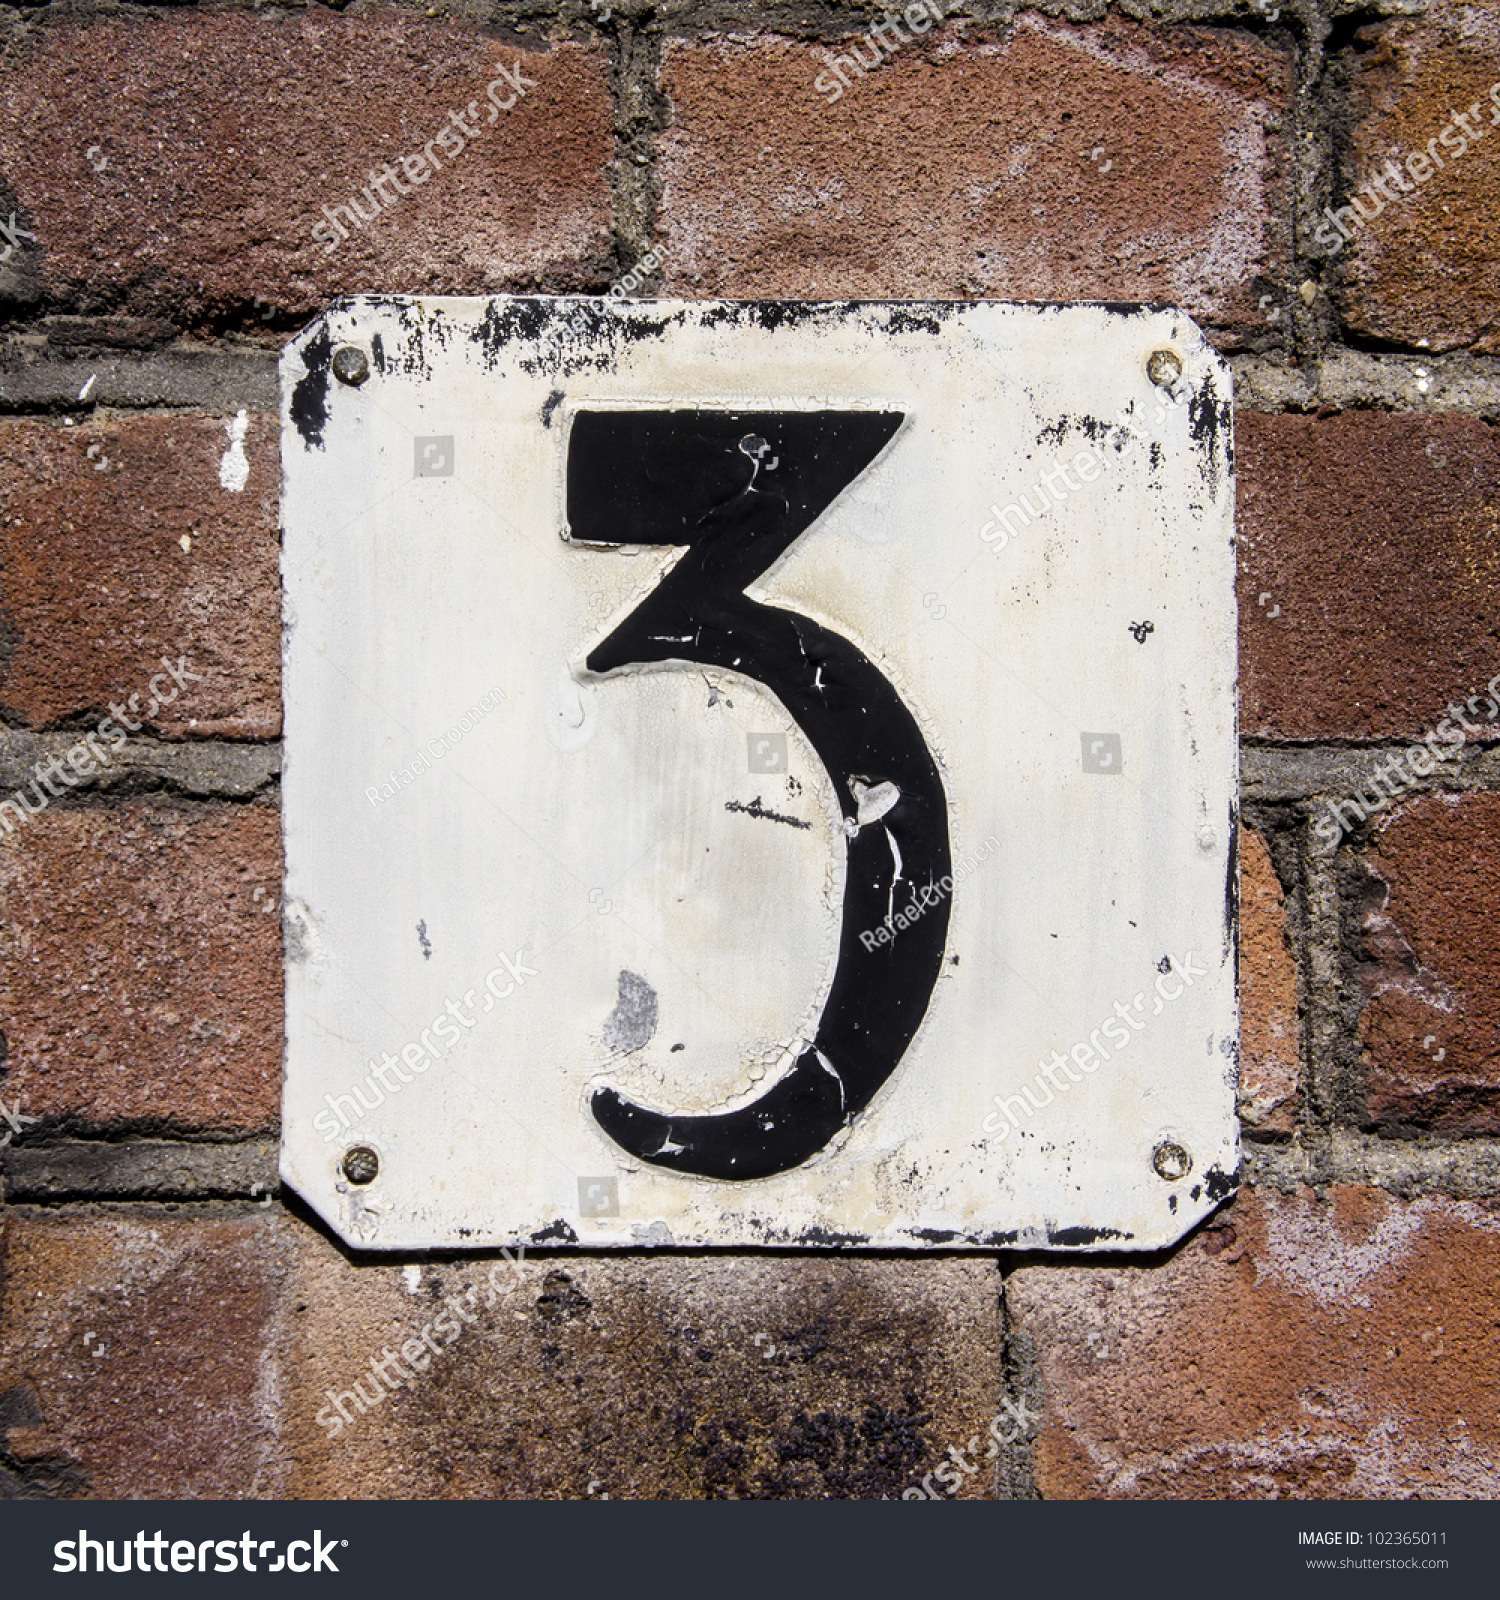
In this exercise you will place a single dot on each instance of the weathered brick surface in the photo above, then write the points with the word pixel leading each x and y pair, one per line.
pixel 141 974
pixel 137 1356
pixel 224 133
pixel 665 1379
pixel 1369 571
pixel 1431 966
pixel 1426 269
pixel 1333 1348
pixel 1270 1036
pixel 970 164
pixel 633 1379
pixel 97 585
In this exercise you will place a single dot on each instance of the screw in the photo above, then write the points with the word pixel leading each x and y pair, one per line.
pixel 361 1164
pixel 350 364
pixel 1171 1161
pixel 1164 368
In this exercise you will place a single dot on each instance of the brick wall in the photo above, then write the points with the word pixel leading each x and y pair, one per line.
pixel 169 1324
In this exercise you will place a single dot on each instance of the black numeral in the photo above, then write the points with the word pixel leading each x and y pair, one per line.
pixel 736 490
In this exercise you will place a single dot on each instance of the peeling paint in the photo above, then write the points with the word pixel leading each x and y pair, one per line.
pixel 632 1023
pixel 755 809
pixel 636 669
pixel 308 406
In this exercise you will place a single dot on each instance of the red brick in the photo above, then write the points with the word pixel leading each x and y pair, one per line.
pixel 707 1379
pixel 98 586
pixel 1027 165
pixel 1431 1032
pixel 226 132
pixel 1369 571
pixel 1427 269
pixel 1337 1348
pixel 697 1379
pixel 1270 1036
pixel 138 1353
pixel 142 972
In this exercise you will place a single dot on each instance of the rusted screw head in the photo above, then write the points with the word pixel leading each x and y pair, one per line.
pixel 1171 1161
pixel 361 1164
pixel 1164 368
pixel 350 364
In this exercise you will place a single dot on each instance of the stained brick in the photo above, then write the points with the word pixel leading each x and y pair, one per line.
pixel 141 979
pixel 799 1379
pixel 1426 269
pixel 743 1379
pixel 1431 1031
pixel 1369 571
pixel 1020 166
pixel 121 543
pixel 1270 1036
pixel 223 134
pixel 1335 1348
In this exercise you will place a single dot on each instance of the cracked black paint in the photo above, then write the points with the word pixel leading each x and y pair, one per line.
pixel 737 488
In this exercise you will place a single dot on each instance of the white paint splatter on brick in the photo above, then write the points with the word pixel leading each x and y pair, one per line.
pixel 234 469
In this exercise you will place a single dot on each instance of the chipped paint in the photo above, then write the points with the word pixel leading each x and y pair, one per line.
pixel 696 983
pixel 632 1023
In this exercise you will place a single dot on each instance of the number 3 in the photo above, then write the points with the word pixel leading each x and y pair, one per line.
pixel 737 490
